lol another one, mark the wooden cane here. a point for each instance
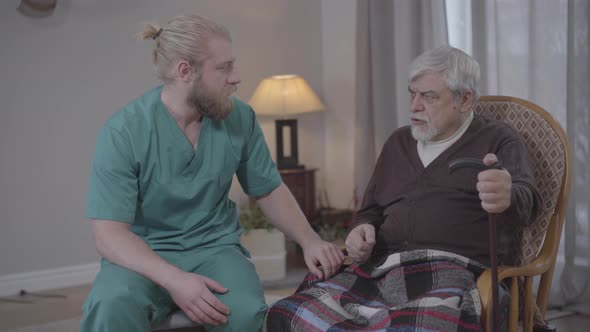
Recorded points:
(492, 245)
(492, 237)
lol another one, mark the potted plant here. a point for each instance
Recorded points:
(265, 243)
(332, 224)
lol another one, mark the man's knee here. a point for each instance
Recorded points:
(246, 318)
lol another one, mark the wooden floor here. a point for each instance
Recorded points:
(33, 310)
(565, 322)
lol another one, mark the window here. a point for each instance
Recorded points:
(459, 25)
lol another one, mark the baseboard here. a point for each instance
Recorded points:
(42, 280)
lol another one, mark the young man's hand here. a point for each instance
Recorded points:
(192, 293)
(318, 253)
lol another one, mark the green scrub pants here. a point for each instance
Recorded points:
(122, 300)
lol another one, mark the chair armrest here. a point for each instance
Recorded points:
(484, 283)
(543, 262)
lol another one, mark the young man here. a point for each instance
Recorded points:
(158, 197)
(420, 238)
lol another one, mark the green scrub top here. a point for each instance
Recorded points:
(145, 172)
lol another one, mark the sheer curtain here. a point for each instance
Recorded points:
(575, 290)
(538, 50)
(389, 35)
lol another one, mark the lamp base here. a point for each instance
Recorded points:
(287, 161)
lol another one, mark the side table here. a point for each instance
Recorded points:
(301, 182)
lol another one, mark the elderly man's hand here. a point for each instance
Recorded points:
(360, 242)
(494, 186)
(318, 252)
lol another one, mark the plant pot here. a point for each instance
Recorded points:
(267, 249)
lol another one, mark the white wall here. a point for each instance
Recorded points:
(62, 76)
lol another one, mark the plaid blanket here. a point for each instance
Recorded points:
(419, 290)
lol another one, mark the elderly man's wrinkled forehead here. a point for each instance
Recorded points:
(437, 75)
(414, 75)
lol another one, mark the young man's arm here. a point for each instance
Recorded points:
(281, 208)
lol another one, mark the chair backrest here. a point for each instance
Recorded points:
(551, 161)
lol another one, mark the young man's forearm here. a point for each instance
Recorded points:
(116, 243)
(282, 210)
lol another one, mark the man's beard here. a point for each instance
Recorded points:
(421, 135)
(214, 106)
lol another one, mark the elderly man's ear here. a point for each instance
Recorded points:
(466, 101)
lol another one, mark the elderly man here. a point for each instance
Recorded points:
(420, 239)
(158, 195)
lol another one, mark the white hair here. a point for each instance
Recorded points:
(461, 71)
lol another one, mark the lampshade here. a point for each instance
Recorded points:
(285, 95)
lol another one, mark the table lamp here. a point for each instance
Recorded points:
(285, 96)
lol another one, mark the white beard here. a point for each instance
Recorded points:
(424, 136)
(419, 133)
